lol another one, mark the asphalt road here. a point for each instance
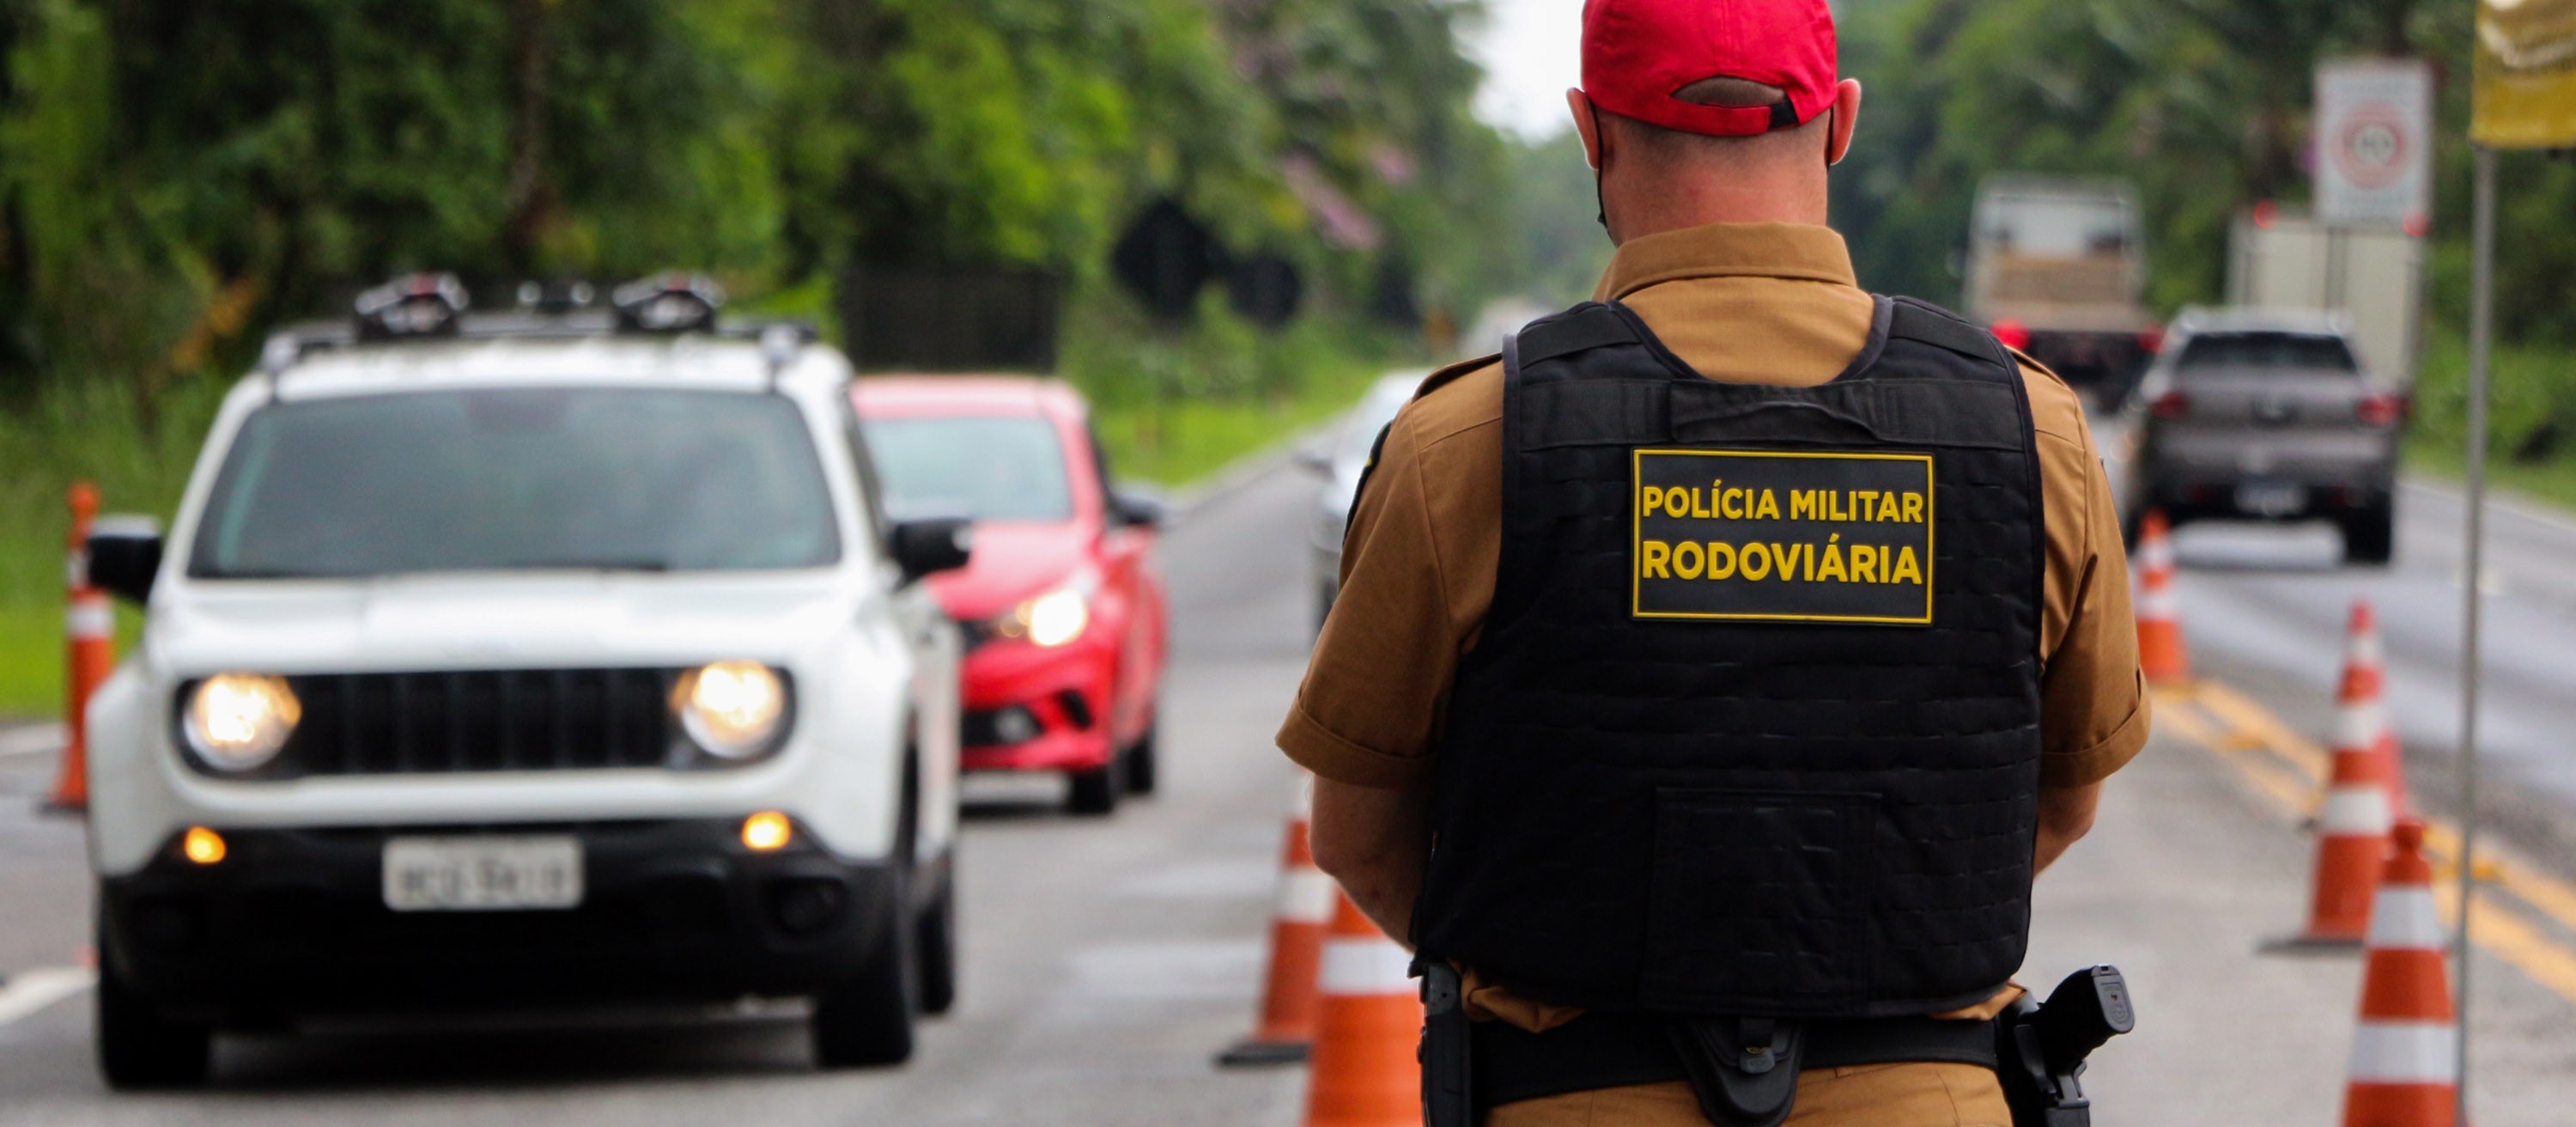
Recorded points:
(1106, 962)
(2265, 606)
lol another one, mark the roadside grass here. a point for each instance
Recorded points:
(1175, 405)
(2532, 445)
(79, 431)
(1181, 442)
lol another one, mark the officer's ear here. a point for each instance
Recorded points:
(1845, 114)
(1587, 122)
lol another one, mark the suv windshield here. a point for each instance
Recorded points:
(2309, 352)
(983, 467)
(480, 480)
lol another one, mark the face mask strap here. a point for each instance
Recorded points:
(1601, 144)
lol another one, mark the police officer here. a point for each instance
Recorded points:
(1713, 671)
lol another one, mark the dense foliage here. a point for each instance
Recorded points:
(175, 177)
(2204, 104)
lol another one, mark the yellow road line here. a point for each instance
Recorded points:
(2229, 724)
(2257, 723)
(2506, 934)
(2183, 715)
(2550, 895)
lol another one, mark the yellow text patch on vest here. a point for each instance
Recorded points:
(1782, 536)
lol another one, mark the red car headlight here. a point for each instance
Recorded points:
(1052, 619)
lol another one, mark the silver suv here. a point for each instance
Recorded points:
(2268, 415)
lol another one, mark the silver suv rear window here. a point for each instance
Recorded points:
(2240, 352)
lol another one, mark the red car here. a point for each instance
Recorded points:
(1062, 607)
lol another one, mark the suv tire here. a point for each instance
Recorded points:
(867, 1019)
(2370, 536)
(139, 1047)
(937, 946)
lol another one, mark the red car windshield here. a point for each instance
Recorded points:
(983, 467)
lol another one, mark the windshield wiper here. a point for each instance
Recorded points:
(265, 573)
(640, 563)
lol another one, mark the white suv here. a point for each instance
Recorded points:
(530, 659)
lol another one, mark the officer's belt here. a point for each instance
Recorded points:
(1615, 1050)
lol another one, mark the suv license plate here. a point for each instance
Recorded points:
(433, 874)
(2271, 499)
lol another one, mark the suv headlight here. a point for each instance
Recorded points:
(733, 710)
(1054, 618)
(240, 721)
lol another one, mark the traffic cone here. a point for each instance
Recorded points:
(90, 623)
(2352, 843)
(1305, 909)
(2160, 649)
(2405, 1055)
(2361, 710)
(1365, 1072)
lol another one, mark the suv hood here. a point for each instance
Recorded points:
(492, 621)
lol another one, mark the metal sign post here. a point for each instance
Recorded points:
(2524, 95)
(2481, 329)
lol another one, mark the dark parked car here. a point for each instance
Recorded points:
(2268, 415)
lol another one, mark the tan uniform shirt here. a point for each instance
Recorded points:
(1752, 303)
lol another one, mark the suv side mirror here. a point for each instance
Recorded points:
(1135, 510)
(124, 555)
(927, 547)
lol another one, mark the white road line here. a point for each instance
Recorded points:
(2536, 512)
(30, 991)
(35, 739)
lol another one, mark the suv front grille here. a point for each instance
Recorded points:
(480, 720)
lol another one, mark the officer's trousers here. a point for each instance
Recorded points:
(1876, 1095)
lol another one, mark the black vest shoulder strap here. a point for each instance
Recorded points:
(1926, 323)
(1580, 329)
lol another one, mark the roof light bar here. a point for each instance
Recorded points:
(411, 305)
(555, 296)
(781, 344)
(280, 353)
(670, 302)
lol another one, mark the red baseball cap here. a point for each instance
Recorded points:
(1637, 53)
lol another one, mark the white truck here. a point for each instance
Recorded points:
(2055, 267)
(2372, 275)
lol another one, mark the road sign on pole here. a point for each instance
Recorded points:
(2525, 66)
(2374, 140)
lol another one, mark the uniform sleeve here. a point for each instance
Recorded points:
(1382, 669)
(2093, 701)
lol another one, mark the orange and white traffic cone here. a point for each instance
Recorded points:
(90, 624)
(2352, 842)
(1365, 1071)
(2361, 709)
(2159, 611)
(2405, 1055)
(1289, 1001)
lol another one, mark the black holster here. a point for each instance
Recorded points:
(2041, 1046)
(1448, 1093)
(1744, 1070)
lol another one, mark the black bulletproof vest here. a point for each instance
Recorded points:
(1752, 728)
